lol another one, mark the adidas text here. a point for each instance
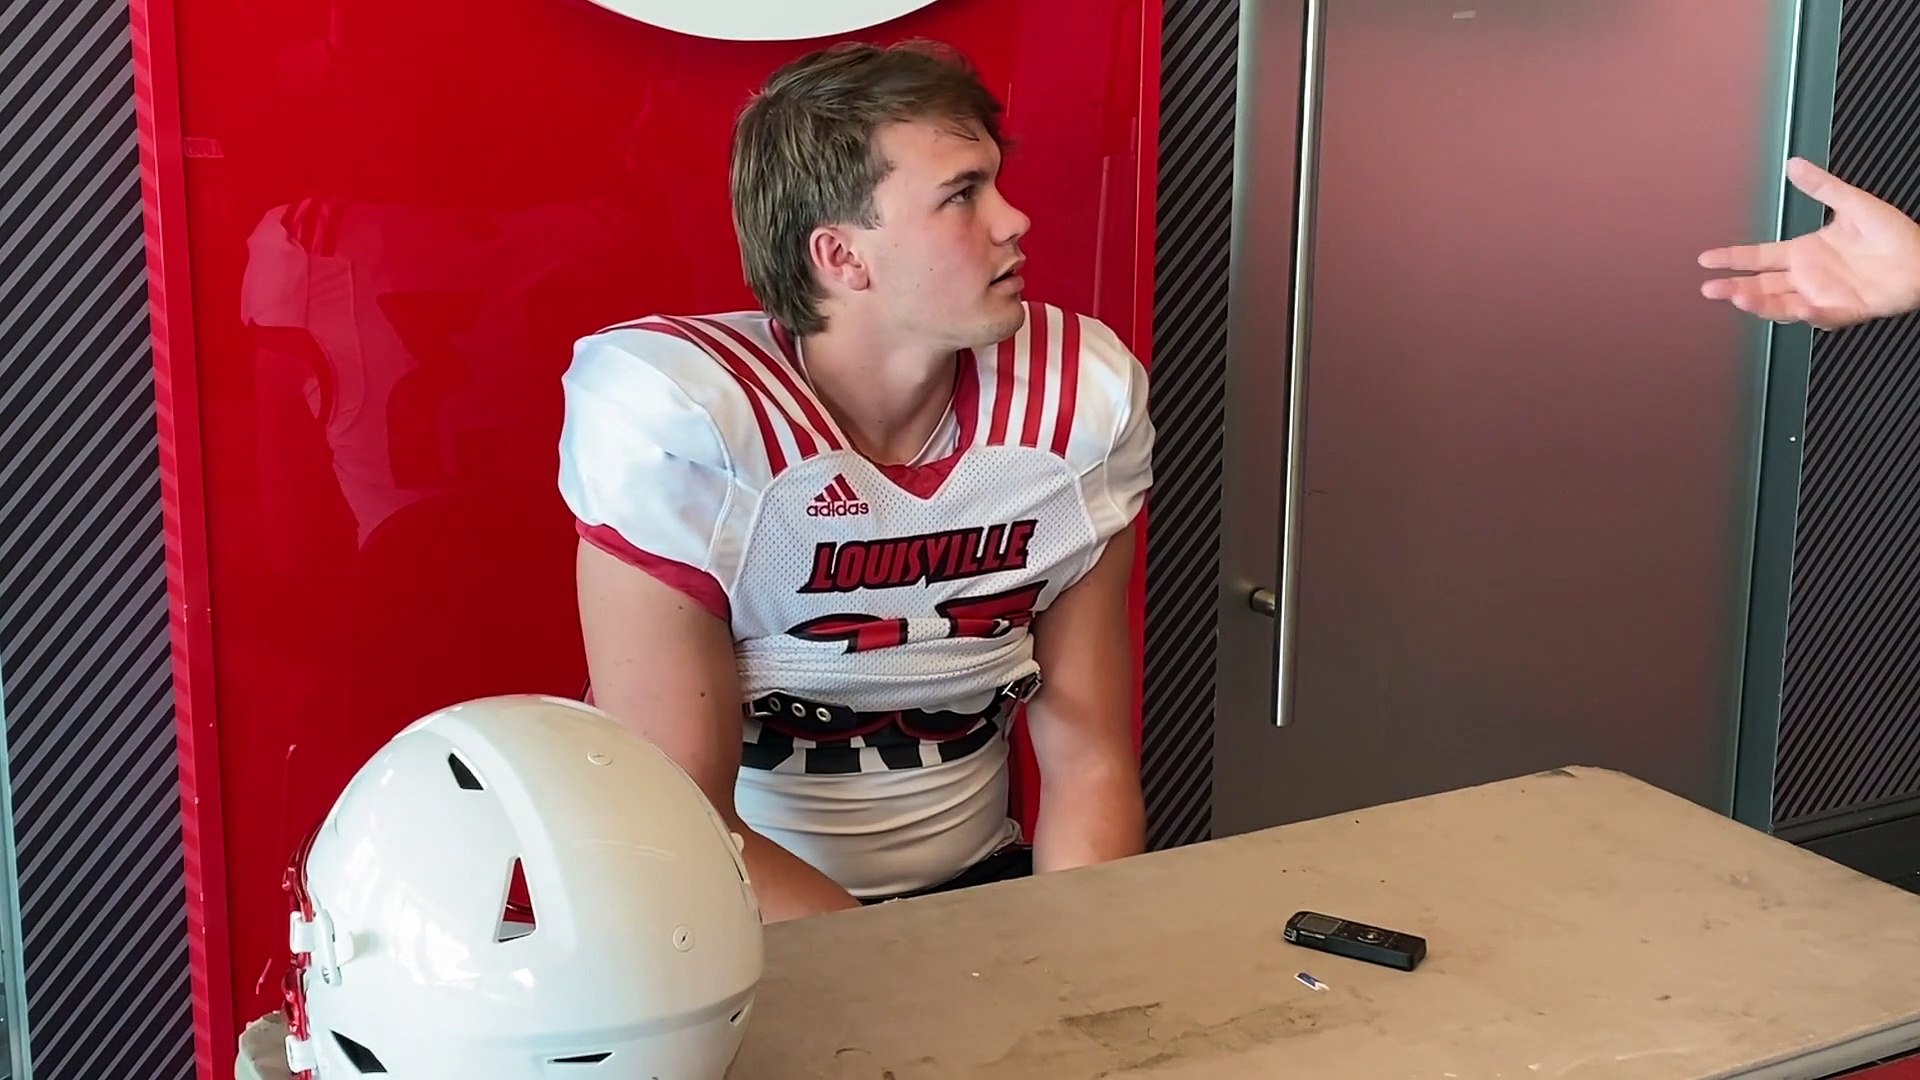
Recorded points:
(839, 509)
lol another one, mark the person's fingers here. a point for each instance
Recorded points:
(1777, 307)
(1761, 284)
(1822, 186)
(1741, 291)
(1772, 256)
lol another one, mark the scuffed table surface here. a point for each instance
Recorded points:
(1579, 924)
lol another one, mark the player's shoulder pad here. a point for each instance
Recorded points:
(667, 375)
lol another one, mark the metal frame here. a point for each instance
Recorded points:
(19, 1041)
(156, 83)
(1806, 129)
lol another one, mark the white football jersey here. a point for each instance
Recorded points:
(695, 449)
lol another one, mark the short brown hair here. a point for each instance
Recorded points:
(803, 154)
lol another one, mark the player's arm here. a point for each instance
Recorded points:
(647, 471)
(1091, 809)
(664, 665)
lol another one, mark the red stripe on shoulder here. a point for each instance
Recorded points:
(788, 375)
(776, 458)
(697, 585)
(966, 397)
(749, 375)
(1036, 373)
(757, 395)
(1069, 381)
(783, 337)
(1002, 393)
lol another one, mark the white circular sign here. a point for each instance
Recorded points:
(763, 20)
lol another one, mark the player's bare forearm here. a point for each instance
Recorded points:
(787, 886)
(1090, 817)
(664, 666)
(1081, 721)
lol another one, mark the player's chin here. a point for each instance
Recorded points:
(1004, 318)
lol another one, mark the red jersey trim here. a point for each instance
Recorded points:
(966, 399)
(1036, 374)
(1003, 381)
(776, 457)
(788, 374)
(921, 481)
(744, 370)
(1069, 381)
(695, 584)
(1022, 368)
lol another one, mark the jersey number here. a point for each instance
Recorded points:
(991, 616)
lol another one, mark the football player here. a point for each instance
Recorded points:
(830, 546)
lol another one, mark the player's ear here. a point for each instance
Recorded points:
(836, 260)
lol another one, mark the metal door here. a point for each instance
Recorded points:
(1519, 527)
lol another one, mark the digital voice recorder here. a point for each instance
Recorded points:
(1343, 937)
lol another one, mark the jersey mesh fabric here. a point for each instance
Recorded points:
(1010, 503)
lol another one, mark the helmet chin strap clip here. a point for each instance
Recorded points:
(317, 939)
(301, 1059)
(325, 950)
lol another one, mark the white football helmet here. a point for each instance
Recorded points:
(414, 959)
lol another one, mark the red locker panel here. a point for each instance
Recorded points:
(375, 229)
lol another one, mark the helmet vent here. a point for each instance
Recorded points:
(358, 1056)
(517, 919)
(463, 775)
(583, 1059)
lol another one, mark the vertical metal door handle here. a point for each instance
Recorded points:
(1282, 604)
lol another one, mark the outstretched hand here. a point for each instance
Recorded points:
(1863, 264)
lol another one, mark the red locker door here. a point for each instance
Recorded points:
(375, 228)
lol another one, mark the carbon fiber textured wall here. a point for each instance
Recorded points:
(83, 593)
(1199, 70)
(1850, 710)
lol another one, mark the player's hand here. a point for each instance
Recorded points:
(1864, 264)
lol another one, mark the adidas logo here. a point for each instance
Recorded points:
(838, 500)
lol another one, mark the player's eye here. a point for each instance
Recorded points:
(964, 195)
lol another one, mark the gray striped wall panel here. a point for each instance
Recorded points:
(1850, 707)
(1198, 72)
(83, 597)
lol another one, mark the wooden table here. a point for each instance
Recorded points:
(1579, 924)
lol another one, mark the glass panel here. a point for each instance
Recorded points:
(1531, 448)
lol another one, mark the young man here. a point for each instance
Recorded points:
(830, 546)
